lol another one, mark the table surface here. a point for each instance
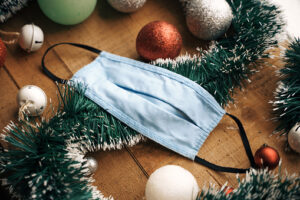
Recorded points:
(123, 173)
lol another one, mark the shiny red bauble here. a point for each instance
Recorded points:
(266, 156)
(158, 39)
(2, 53)
(228, 190)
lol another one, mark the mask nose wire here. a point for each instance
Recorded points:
(246, 147)
(53, 76)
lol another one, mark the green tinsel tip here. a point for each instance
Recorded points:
(287, 95)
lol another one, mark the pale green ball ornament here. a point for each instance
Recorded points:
(67, 12)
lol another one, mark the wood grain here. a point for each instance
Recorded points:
(120, 173)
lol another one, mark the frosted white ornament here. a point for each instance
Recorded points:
(92, 164)
(33, 99)
(171, 182)
(127, 6)
(208, 19)
(31, 38)
(294, 137)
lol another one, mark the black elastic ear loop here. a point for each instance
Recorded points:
(50, 74)
(247, 149)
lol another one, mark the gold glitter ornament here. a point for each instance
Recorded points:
(208, 19)
(126, 6)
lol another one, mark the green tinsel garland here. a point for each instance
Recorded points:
(287, 96)
(258, 185)
(10, 7)
(48, 162)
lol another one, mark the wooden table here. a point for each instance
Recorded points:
(120, 172)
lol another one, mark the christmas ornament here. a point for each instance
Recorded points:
(208, 19)
(127, 6)
(2, 53)
(158, 39)
(31, 38)
(67, 12)
(171, 182)
(294, 138)
(32, 100)
(266, 156)
(228, 190)
(91, 164)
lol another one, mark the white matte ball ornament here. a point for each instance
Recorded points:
(208, 19)
(171, 182)
(92, 164)
(34, 97)
(127, 6)
(31, 38)
(294, 138)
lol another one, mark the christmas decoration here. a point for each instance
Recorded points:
(171, 182)
(158, 39)
(208, 19)
(228, 190)
(32, 100)
(294, 138)
(2, 53)
(286, 104)
(10, 7)
(67, 12)
(60, 143)
(257, 185)
(31, 38)
(92, 164)
(127, 6)
(266, 156)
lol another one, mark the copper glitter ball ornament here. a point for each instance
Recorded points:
(2, 53)
(158, 39)
(266, 156)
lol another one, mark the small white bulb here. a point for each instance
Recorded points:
(294, 137)
(34, 97)
(31, 38)
(92, 164)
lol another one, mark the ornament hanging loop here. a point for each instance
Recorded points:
(9, 38)
(22, 113)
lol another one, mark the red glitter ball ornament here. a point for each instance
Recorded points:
(158, 39)
(2, 53)
(266, 156)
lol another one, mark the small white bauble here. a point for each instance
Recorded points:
(92, 164)
(171, 182)
(31, 38)
(127, 6)
(294, 138)
(208, 19)
(34, 97)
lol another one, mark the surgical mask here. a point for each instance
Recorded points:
(161, 105)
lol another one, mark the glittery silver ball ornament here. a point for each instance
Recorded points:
(208, 19)
(127, 6)
(294, 138)
(91, 164)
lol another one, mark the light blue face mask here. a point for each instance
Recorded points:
(161, 105)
